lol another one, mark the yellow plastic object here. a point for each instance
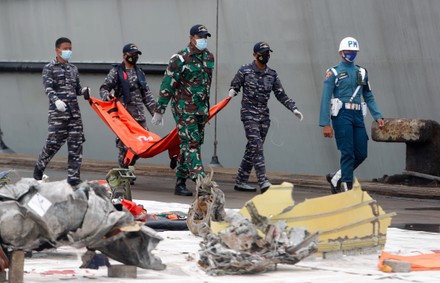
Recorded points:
(345, 221)
(274, 201)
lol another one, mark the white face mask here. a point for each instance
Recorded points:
(66, 54)
(201, 43)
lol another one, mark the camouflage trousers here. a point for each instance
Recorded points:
(190, 129)
(256, 132)
(123, 149)
(61, 130)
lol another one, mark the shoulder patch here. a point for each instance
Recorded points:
(179, 56)
(328, 74)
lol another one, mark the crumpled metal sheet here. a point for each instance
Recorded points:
(209, 205)
(243, 248)
(36, 216)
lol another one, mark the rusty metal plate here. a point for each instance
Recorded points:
(402, 130)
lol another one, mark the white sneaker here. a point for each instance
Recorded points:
(44, 179)
(243, 187)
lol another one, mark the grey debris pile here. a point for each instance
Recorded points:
(239, 249)
(38, 216)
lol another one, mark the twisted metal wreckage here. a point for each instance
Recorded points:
(272, 229)
(37, 216)
(244, 245)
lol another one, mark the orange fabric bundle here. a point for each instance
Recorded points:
(420, 262)
(139, 141)
(138, 211)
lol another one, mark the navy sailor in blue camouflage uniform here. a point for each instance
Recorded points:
(347, 83)
(131, 89)
(257, 81)
(62, 86)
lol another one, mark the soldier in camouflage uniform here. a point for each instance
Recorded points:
(187, 84)
(62, 86)
(257, 81)
(131, 89)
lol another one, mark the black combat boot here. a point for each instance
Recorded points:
(346, 186)
(333, 189)
(181, 189)
(74, 183)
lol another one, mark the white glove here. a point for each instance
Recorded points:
(85, 91)
(61, 106)
(109, 97)
(298, 114)
(157, 119)
(232, 92)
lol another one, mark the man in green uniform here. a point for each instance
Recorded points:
(187, 83)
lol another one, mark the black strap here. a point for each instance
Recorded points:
(123, 80)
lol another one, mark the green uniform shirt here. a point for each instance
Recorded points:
(187, 82)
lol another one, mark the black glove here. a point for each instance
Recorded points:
(173, 162)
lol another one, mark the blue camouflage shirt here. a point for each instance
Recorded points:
(61, 81)
(257, 85)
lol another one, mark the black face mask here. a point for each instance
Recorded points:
(132, 59)
(263, 58)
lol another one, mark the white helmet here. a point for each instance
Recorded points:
(349, 43)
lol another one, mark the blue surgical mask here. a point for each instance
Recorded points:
(66, 54)
(349, 56)
(201, 43)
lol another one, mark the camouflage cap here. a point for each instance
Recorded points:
(131, 48)
(200, 30)
(261, 47)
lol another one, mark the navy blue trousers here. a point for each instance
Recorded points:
(351, 140)
(256, 132)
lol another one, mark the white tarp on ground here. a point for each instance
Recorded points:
(179, 251)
